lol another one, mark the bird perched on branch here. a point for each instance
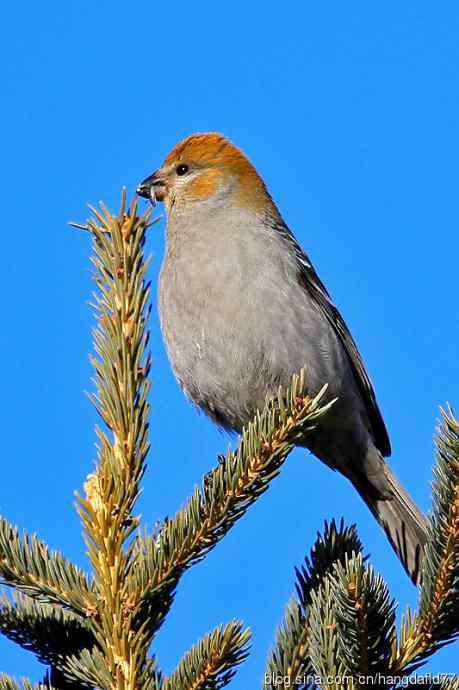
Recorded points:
(242, 309)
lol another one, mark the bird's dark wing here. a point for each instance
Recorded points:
(319, 294)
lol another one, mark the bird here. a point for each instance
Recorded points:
(242, 309)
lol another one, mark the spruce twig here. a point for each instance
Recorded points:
(121, 368)
(323, 642)
(289, 663)
(209, 665)
(437, 622)
(439, 603)
(8, 683)
(365, 621)
(28, 565)
(49, 631)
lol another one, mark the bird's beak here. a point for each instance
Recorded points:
(152, 188)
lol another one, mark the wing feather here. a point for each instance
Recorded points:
(319, 294)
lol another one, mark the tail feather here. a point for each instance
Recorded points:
(400, 518)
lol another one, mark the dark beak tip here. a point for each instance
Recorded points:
(146, 186)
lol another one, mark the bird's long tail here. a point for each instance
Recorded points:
(398, 515)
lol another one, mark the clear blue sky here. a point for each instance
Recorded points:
(350, 111)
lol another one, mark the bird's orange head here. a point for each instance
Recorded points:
(206, 169)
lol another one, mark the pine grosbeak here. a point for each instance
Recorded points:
(242, 309)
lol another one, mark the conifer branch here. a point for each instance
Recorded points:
(90, 668)
(49, 631)
(365, 620)
(58, 679)
(209, 665)
(121, 369)
(439, 603)
(226, 494)
(437, 622)
(27, 564)
(289, 660)
(323, 643)
(337, 544)
(8, 683)
(152, 677)
(289, 664)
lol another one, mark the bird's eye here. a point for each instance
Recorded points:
(182, 169)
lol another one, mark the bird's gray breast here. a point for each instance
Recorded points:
(236, 321)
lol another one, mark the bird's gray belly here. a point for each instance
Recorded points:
(233, 338)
